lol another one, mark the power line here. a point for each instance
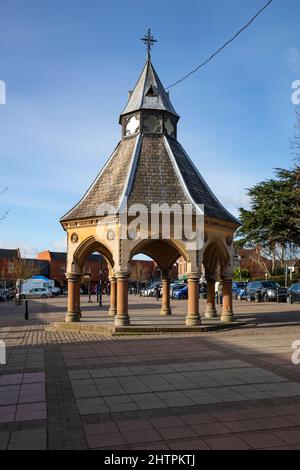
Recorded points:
(222, 47)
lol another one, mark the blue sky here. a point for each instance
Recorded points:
(69, 64)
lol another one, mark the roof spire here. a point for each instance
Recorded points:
(149, 41)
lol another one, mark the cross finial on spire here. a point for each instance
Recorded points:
(149, 41)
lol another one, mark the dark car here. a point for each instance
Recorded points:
(181, 292)
(293, 294)
(267, 290)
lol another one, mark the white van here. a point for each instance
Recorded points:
(36, 283)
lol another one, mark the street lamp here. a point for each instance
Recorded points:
(89, 287)
(100, 284)
(140, 282)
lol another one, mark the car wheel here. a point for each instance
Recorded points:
(44, 296)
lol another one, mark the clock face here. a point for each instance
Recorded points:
(169, 126)
(132, 125)
(152, 124)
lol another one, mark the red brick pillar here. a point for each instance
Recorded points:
(122, 317)
(227, 313)
(73, 313)
(193, 317)
(211, 300)
(113, 297)
(165, 307)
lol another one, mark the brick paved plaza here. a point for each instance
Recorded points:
(233, 389)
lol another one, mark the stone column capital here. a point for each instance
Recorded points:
(194, 277)
(122, 275)
(73, 277)
(227, 273)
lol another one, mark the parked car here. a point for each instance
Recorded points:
(293, 295)
(36, 293)
(6, 294)
(55, 291)
(175, 288)
(203, 290)
(181, 292)
(239, 289)
(268, 291)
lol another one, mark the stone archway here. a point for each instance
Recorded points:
(87, 247)
(165, 253)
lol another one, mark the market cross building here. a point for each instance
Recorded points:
(149, 166)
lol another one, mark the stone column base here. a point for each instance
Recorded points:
(211, 312)
(122, 320)
(72, 317)
(165, 312)
(227, 317)
(112, 312)
(193, 321)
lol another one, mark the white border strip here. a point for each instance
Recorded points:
(131, 171)
(178, 172)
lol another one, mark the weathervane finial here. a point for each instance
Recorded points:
(149, 40)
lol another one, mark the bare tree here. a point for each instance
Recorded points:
(3, 216)
(21, 269)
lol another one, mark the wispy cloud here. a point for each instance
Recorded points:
(60, 245)
(294, 58)
(27, 250)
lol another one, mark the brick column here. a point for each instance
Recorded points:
(227, 313)
(122, 317)
(211, 311)
(165, 307)
(73, 313)
(113, 297)
(193, 317)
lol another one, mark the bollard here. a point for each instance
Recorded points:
(257, 297)
(26, 309)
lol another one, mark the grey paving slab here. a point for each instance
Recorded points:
(91, 406)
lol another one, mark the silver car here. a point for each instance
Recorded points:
(37, 293)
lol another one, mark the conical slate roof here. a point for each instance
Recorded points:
(149, 93)
(148, 168)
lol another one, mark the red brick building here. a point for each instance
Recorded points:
(57, 268)
(146, 270)
(142, 271)
(6, 256)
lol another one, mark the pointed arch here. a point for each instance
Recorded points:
(163, 252)
(215, 254)
(89, 246)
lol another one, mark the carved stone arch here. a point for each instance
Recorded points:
(215, 254)
(89, 246)
(163, 252)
